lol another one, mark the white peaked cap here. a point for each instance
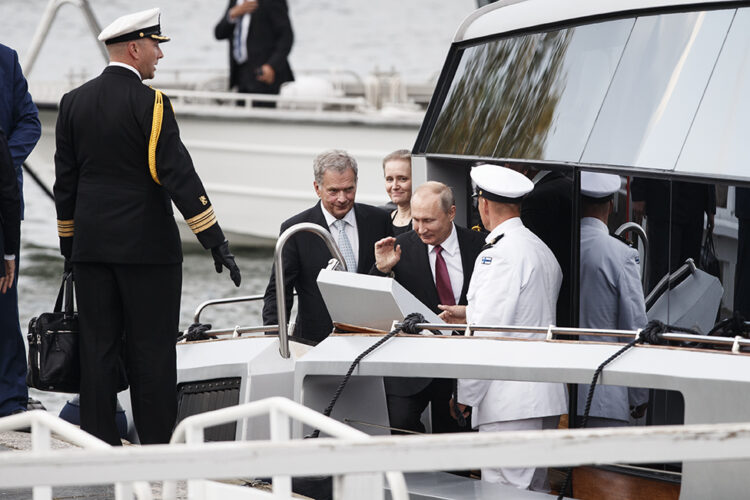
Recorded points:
(599, 185)
(501, 184)
(143, 24)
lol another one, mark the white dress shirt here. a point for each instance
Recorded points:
(351, 229)
(452, 258)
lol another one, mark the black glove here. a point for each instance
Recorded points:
(223, 257)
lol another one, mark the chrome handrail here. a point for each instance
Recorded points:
(637, 229)
(228, 300)
(48, 17)
(278, 266)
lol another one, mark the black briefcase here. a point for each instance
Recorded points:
(54, 362)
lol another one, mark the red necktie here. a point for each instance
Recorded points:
(442, 280)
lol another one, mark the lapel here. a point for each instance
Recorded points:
(318, 218)
(467, 261)
(363, 236)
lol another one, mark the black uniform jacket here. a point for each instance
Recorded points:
(305, 255)
(109, 207)
(269, 39)
(413, 272)
(547, 212)
(10, 203)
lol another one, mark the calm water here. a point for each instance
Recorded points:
(411, 37)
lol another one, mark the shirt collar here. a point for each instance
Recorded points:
(595, 224)
(330, 219)
(508, 225)
(450, 245)
(128, 66)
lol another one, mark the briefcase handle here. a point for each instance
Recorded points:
(65, 295)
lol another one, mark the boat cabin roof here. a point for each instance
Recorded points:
(638, 87)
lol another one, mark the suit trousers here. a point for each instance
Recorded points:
(13, 392)
(129, 315)
(404, 412)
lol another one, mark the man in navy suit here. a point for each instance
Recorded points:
(434, 262)
(354, 226)
(19, 120)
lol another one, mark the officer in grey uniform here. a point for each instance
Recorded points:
(611, 295)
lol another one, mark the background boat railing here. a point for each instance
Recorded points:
(42, 425)
(358, 459)
(280, 411)
(238, 99)
(734, 342)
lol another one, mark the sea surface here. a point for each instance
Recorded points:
(411, 37)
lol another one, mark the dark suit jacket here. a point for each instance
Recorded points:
(689, 200)
(269, 41)
(305, 255)
(547, 212)
(10, 203)
(109, 208)
(413, 273)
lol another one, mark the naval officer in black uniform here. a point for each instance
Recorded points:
(119, 165)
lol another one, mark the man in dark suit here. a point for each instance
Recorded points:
(355, 227)
(260, 39)
(434, 262)
(674, 221)
(547, 211)
(19, 120)
(10, 219)
(119, 165)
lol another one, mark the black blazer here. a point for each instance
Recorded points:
(413, 273)
(305, 255)
(269, 41)
(10, 203)
(109, 208)
(547, 212)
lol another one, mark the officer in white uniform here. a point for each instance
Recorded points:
(611, 295)
(516, 281)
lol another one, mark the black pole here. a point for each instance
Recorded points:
(39, 181)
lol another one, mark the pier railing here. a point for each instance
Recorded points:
(355, 456)
(42, 425)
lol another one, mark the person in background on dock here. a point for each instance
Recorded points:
(354, 226)
(260, 39)
(397, 171)
(19, 120)
(434, 262)
(119, 165)
(515, 282)
(611, 296)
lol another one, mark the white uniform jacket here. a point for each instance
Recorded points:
(611, 298)
(515, 282)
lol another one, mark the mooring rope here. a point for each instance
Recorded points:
(409, 325)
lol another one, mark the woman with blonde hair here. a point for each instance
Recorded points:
(397, 171)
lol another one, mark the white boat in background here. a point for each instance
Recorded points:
(256, 163)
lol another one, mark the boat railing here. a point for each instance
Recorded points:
(360, 459)
(633, 227)
(239, 100)
(48, 17)
(42, 425)
(337, 262)
(279, 411)
(736, 343)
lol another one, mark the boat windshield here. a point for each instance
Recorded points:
(664, 92)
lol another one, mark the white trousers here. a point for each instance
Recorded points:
(521, 477)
